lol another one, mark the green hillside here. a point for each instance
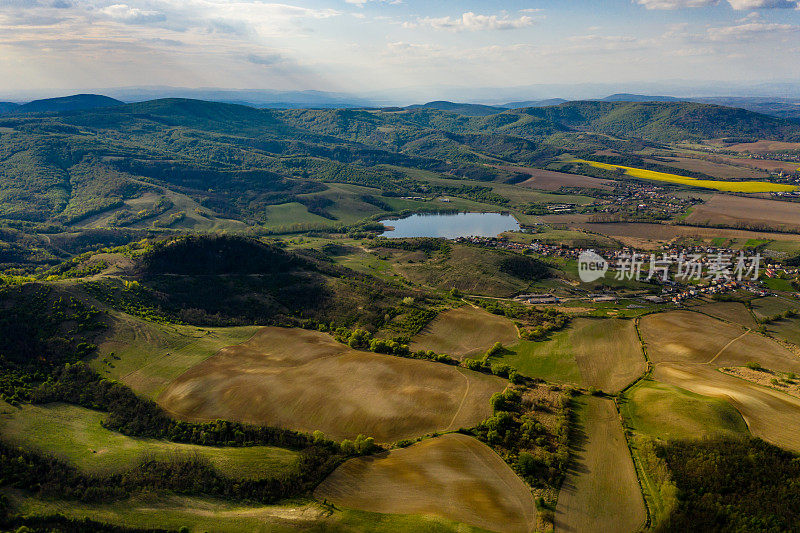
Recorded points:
(189, 165)
(67, 103)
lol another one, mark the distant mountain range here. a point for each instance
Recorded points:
(535, 103)
(786, 108)
(474, 110)
(262, 98)
(204, 165)
(782, 108)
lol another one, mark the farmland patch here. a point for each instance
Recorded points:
(307, 381)
(601, 492)
(465, 331)
(454, 476)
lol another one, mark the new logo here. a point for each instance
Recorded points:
(591, 266)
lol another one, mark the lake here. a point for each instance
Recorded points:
(450, 225)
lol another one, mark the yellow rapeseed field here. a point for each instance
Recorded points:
(719, 185)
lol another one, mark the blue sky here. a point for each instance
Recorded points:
(372, 45)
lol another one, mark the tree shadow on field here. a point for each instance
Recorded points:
(578, 443)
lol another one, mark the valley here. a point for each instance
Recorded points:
(209, 324)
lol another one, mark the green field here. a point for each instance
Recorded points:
(787, 329)
(293, 215)
(669, 412)
(552, 360)
(75, 435)
(204, 514)
(778, 284)
(773, 305)
(146, 355)
(600, 353)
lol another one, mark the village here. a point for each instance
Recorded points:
(674, 289)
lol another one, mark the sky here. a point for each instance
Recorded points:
(374, 45)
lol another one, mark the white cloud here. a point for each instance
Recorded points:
(127, 13)
(750, 30)
(469, 21)
(362, 3)
(735, 4)
(675, 4)
(764, 4)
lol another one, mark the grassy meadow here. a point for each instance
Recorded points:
(600, 353)
(76, 435)
(204, 514)
(669, 412)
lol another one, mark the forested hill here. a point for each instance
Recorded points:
(197, 165)
(66, 103)
(663, 121)
(7, 107)
(477, 110)
(652, 121)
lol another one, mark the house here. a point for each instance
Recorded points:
(604, 299)
(538, 298)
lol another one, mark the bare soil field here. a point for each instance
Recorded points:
(724, 209)
(550, 180)
(570, 219)
(601, 492)
(764, 146)
(607, 352)
(146, 355)
(650, 236)
(762, 164)
(719, 170)
(731, 311)
(687, 337)
(465, 331)
(307, 381)
(687, 352)
(453, 476)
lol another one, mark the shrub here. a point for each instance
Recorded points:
(526, 464)
(497, 349)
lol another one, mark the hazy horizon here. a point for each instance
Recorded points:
(418, 95)
(403, 49)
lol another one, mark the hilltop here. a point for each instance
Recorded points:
(658, 121)
(627, 97)
(67, 103)
(476, 110)
(7, 107)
